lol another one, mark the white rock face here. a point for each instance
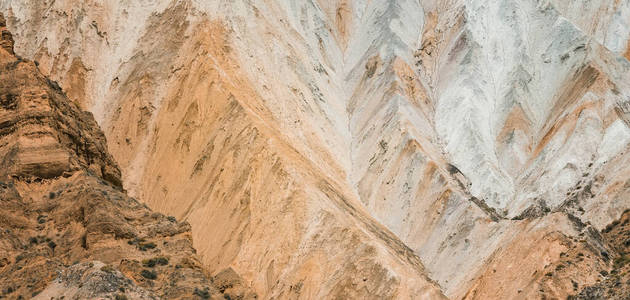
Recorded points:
(413, 141)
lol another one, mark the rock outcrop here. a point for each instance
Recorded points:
(615, 281)
(67, 229)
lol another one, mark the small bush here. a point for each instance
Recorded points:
(151, 275)
(150, 263)
(203, 294)
(52, 245)
(121, 297)
(622, 260)
(162, 261)
(146, 246)
(19, 258)
(559, 267)
(171, 219)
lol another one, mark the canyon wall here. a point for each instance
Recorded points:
(386, 149)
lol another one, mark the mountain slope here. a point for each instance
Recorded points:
(285, 242)
(406, 141)
(68, 229)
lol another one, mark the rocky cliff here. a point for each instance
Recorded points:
(364, 148)
(67, 228)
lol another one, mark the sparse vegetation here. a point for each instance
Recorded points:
(141, 244)
(559, 267)
(19, 258)
(107, 269)
(203, 294)
(121, 297)
(148, 274)
(146, 246)
(162, 261)
(135, 241)
(622, 260)
(610, 226)
(575, 285)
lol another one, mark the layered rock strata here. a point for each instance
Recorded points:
(67, 229)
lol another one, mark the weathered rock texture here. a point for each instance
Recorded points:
(363, 148)
(616, 282)
(67, 229)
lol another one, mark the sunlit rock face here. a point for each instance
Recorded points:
(68, 228)
(386, 149)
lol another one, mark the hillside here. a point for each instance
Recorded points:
(359, 149)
